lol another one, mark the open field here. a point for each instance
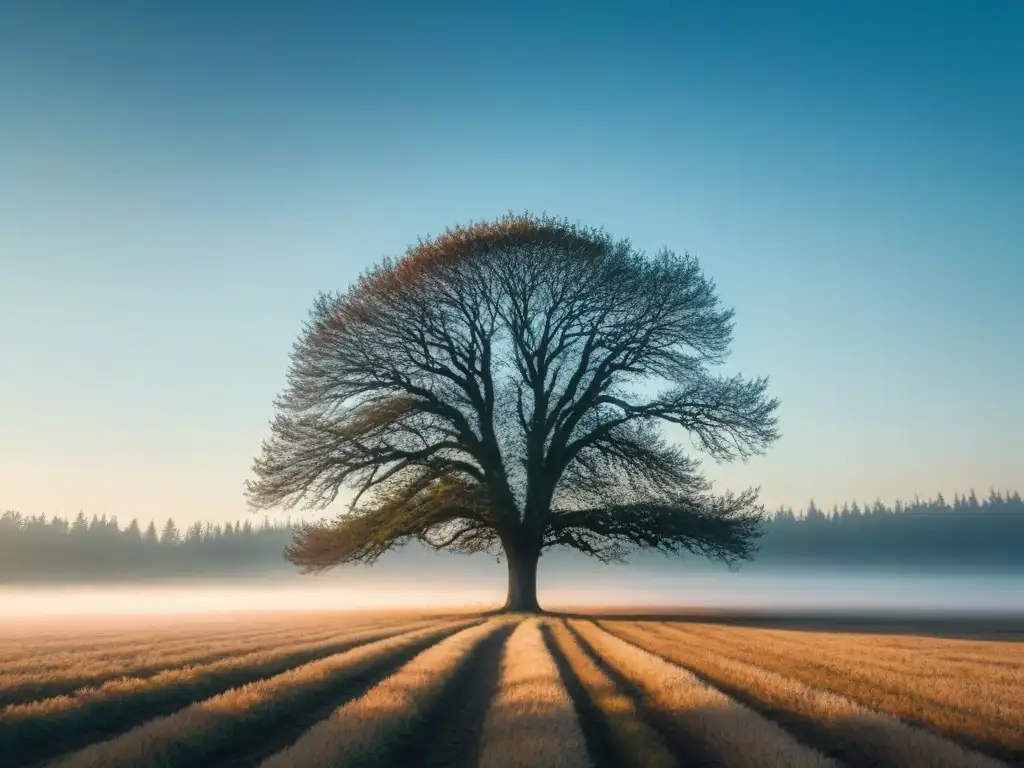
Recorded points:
(460, 689)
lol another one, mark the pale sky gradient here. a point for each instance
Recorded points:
(177, 183)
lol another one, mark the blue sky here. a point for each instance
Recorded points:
(177, 183)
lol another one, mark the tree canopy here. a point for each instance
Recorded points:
(504, 387)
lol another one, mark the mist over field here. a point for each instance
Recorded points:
(959, 557)
(479, 583)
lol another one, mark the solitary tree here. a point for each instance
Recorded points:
(503, 387)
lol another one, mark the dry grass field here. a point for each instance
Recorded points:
(462, 689)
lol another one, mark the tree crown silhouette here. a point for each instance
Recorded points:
(504, 386)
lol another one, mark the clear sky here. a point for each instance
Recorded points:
(177, 182)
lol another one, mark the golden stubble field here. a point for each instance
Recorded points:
(405, 689)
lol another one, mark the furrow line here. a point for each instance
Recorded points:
(832, 723)
(733, 733)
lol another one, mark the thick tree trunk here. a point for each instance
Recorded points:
(522, 579)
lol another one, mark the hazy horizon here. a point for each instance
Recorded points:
(765, 589)
(180, 181)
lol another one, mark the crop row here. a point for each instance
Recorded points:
(982, 708)
(567, 694)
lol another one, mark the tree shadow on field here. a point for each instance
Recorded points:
(449, 735)
(600, 744)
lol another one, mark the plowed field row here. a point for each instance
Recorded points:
(510, 691)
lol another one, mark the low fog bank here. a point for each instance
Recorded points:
(442, 581)
(415, 562)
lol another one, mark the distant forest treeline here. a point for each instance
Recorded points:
(968, 532)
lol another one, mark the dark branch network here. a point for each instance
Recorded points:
(505, 386)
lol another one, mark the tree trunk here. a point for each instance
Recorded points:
(522, 579)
